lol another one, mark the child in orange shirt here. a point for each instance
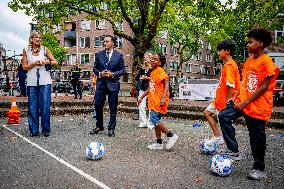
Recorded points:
(254, 102)
(229, 83)
(158, 100)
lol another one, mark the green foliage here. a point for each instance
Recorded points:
(50, 41)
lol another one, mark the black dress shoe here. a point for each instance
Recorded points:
(96, 131)
(46, 134)
(34, 135)
(111, 133)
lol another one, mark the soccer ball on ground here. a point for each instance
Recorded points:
(207, 148)
(95, 150)
(221, 165)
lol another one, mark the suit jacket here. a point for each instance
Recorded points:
(115, 65)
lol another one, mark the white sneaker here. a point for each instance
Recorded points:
(155, 146)
(150, 125)
(142, 126)
(232, 155)
(215, 140)
(171, 141)
(257, 175)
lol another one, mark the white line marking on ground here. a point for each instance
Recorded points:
(87, 176)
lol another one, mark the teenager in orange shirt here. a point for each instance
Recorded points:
(254, 102)
(229, 83)
(158, 100)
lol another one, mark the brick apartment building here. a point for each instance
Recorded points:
(83, 38)
(276, 51)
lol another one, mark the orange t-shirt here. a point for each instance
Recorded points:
(156, 90)
(230, 73)
(254, 72)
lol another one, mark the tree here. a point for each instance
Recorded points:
(238, 18)
(142, 17)
(59, 53)
(190, 25)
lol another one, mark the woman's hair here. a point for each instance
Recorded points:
(261, 34)
(162, 59)
(32, 34)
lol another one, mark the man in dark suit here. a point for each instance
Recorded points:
(108, 67)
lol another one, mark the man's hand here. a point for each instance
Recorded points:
(143, 77)
(106, 73)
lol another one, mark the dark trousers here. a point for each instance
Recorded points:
(256, 130)
(76, 84)
(100, 98)
(23, 88)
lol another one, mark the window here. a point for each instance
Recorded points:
(55, 28)
(163, 34)
(71, 59)
(208, 46)
(203, 69)
(86, 74)
(118, 42)
(126, 77)
(279, 34)
(85, 25)
(99, 41)
(163, 48)
(85, 59)
(173, 51)
(85, 42)
(195, 68)
(119, 25)
(69, 42)
(100, 24)
(208, 57)
(201, 43)
(188, 68)
(104, 6)
(199, 56)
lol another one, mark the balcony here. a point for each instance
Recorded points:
(70, 34)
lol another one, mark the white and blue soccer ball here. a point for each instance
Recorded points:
(207, 148)
(95, 150)
(221, 165)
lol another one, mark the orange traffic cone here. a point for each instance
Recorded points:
(13, 114)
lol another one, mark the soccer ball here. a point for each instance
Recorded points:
(207, 148)
(95, 150)
(221, 165)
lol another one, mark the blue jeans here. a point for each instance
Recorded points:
(39, 99)
(155, 117)
(256, 130)
(23, 88)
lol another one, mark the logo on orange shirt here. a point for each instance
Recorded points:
(250, 82)
(152, 85)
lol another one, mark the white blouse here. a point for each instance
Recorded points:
(44, 76)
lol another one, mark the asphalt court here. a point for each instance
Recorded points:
(127, 163)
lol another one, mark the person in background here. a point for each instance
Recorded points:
(143, 77)
(22, 75)
(35, 58)
(75, 80)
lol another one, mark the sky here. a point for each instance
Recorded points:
(14, 29)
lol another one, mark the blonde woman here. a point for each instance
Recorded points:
(143, 79)
(36, 60)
